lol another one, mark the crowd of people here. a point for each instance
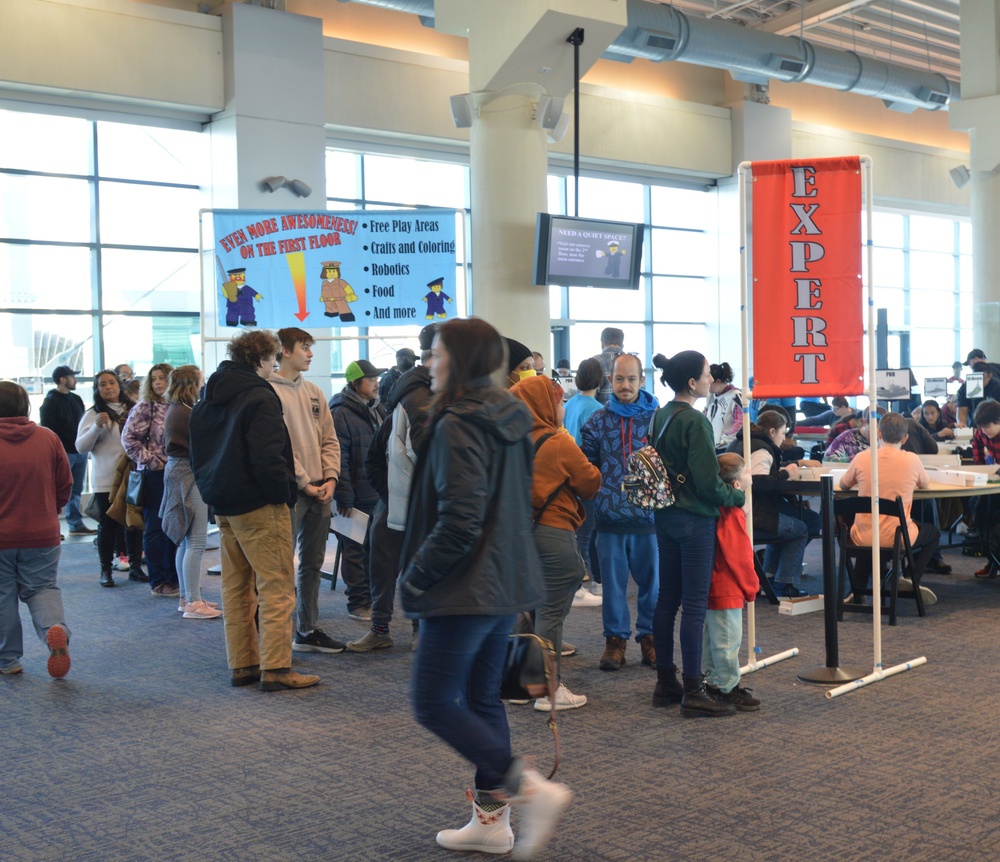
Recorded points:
(468, 482)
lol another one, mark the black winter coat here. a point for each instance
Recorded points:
(240, 450)
(356, 426)
(765, 497)
(469, 545)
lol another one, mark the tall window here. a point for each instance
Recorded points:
(98, 245)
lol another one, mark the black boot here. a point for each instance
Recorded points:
(106, 579)
(697, 702)
(135, 573)
(668, 688)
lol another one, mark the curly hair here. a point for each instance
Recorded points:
(147, 382)
(253, 346)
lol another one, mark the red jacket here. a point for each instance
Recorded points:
(734, 578)
(35, 483)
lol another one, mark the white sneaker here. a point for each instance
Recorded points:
(565, 699)
(597, 589)
(542, 803)
(585, 599)
(121, 565)
(200, 611)
(926, 593)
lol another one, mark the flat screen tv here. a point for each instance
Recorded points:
(583, 252)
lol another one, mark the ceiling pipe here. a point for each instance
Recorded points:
(661, 33)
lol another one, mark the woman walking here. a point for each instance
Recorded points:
(142, 438)
(685, 532)
(100, 435)
(184, 513)
(469, 565)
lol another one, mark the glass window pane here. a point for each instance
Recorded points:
(887, 230)
(892, 300)
(682, 252)
(149, 153)
(145, 341)
(684, 300)
(965, 237)
(45, 276)
(888, 265)
(932, 271)
(34, 344)
(931, 309)
(150, 280)
(932, 233)
(149, 215)
(28, 205)
(606, 303)
(343, 175)
(415, 181)
(585, 340)
(671, 338)
(611, 200)
(683, 207)
(38, 142)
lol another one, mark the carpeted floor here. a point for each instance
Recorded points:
(144, 752)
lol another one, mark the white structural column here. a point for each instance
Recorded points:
(517, 53)
(979, 113)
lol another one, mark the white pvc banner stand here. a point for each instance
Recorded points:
(753, 663)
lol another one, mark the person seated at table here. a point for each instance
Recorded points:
(986, 450)
(931, 419)
(919, 440)
(781, 524)
(846, 445)
(840, 411)
(899, 473)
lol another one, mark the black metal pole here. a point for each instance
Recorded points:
(576, 40)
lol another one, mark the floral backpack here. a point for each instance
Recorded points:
(646, 483)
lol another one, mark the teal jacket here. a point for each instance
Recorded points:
(688, 447)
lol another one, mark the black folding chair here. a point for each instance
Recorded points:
(898, 558)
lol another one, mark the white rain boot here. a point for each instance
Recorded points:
(486, 832)
(542, 803)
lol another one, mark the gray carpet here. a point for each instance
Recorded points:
(144, 752)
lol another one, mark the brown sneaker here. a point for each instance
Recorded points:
(614, 653)
(276, 680)
(648, 650)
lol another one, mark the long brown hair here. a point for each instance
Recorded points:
(147, 383)
(184, 385)
(475, 350)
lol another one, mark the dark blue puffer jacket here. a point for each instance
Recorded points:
(609, 436)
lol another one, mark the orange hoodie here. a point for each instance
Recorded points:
(558, 460)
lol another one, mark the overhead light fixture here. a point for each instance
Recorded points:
(300, 188)
(556, 134)
(932, 97)
(549, 111)
(960, 176)
(463, 111)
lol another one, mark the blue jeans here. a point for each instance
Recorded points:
(78, 467)
(191, 550)
(786, 548)
(160, 551)
(721, 648)
(619, 554)
(28, 575)
(687, 555)
(456, 690)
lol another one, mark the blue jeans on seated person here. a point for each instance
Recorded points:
(456, 689)
(786, 548)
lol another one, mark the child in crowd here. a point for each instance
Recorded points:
(930, 418)
(986, 450)
(734, 581)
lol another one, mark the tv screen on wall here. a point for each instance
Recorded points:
(581, 252)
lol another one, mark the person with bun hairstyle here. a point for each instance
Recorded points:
(725, 406)
(685, 532)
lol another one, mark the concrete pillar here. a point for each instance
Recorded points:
(978, 112)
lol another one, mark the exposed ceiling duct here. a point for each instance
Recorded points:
(660, 33)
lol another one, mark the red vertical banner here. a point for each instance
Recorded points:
(808, 312)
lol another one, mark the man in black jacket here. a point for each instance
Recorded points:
(242, 460)
(61, 412)
(357, 415)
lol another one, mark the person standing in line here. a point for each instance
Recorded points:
(725, 407)
(125, 373)
(142, 439)
(685, 532)
(99, 435)
(469, 565)
(626, 540)
(357, 415)
(243, 465)
(405, 360)
(612, 343)
(316, 451)
(61, 412)
(184, 513)
(34, 460)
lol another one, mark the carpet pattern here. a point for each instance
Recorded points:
(144, 753)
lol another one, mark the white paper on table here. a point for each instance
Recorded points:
(353, 527)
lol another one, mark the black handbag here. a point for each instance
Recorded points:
(135, 494)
